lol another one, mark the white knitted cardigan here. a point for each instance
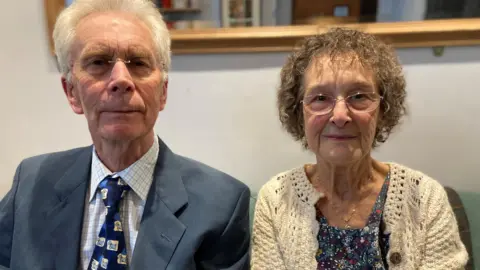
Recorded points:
(424, 232)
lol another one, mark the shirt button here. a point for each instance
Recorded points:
(395, 258)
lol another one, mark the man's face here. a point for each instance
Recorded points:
(117, 79)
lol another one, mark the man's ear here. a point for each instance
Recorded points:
(164, 95)
(72, 96)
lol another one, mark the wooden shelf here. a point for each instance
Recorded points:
(431, 33)
(179, 10)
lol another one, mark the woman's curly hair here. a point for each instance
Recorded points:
(337, 43)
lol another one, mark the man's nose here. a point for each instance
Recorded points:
(120, 78)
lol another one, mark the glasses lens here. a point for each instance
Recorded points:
(363, 101)
(319, 103)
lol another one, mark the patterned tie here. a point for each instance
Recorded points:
(110, 249)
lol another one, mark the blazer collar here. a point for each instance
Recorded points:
(63, 221)
(160, 230)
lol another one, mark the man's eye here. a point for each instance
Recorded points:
(139, 63)
(99, 62)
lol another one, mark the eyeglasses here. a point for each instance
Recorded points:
(128, 61)
(102, 64)
(114, 61)
(321, 104)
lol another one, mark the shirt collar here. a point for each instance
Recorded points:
(139, 175)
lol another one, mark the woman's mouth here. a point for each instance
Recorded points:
(340, 137)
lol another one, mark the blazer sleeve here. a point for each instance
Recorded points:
(232, 250)
(266, 253)
(444, 248)
(7, 215)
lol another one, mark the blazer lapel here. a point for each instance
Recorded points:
(160, 230)
(63, 221)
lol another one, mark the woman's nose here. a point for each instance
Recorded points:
(340, 114)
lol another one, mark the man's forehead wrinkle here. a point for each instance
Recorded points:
(98, 46)
(118, 49)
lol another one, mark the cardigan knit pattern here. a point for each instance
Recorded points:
(417, 214)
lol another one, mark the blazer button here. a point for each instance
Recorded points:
(395, 258)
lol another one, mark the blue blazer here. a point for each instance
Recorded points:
(195, 217)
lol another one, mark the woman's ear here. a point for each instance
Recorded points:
(72, 96)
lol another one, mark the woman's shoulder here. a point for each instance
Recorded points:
(412, 193)
(413, 176)
(289, 185)
(416, 181)
(281, 181)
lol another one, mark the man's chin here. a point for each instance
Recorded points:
(120, 134)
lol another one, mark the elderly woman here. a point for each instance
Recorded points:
(341, 95)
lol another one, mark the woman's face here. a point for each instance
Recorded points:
(346, 133)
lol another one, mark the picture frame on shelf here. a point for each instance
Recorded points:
(241, 13)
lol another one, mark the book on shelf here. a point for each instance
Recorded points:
(177, 4)
(189, 24)
(164, 3)
(193, 3)
(240, 13)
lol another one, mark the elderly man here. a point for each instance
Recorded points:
(127, 202)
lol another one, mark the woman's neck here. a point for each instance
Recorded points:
(345, 182)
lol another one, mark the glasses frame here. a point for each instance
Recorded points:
(127, 61)
(113, 61)
(378, 99)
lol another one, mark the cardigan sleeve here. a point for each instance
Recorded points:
(444, 248)
(266, 252)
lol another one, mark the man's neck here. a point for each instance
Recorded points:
(119, 155)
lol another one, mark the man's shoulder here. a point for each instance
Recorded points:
(53, 158)
(197, 173)
(38, 174)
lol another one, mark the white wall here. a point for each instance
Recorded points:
(221, 109)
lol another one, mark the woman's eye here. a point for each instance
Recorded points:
(359, 96)
(320, 98)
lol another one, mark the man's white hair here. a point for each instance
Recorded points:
(145, 10)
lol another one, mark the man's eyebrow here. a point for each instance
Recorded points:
(95, 50)
(97, 47)
(139, 51)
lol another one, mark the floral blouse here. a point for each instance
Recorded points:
(364, 248)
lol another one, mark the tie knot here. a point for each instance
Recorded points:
(112, 190)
